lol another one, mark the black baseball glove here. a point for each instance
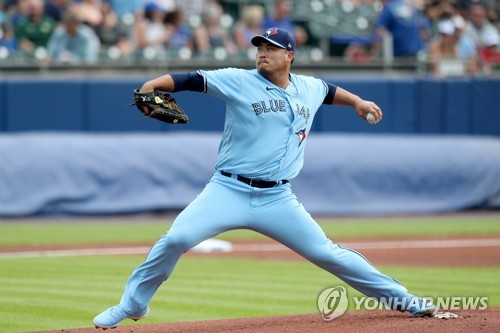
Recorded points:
(160, 106)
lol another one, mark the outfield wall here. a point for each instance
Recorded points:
(344, 174)
(410, 105)
(73, 146)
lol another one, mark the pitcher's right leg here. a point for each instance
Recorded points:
(207, 216)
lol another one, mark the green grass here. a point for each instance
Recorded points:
(102, 231)
(47, 293)
(57, 293)
(96, 231)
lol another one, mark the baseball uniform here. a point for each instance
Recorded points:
(262, 148)
(265, 134)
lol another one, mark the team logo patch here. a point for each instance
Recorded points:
(302, 135)
(271, 32)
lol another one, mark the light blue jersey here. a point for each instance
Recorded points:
(266, 126)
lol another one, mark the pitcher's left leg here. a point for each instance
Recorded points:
(291, 225)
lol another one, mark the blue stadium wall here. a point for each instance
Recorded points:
(75, 147)
(410, 105)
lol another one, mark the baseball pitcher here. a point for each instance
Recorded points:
(269, 114)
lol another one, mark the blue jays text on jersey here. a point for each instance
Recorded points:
(274, 105)
(303, 111)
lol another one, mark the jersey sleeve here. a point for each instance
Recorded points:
(330, 94)
(316, 89)
(223, 83)
(322, 91)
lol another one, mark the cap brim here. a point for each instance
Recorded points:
(256, 40)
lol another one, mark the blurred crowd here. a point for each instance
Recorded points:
(453, 36)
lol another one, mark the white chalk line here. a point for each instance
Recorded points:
(375, 245)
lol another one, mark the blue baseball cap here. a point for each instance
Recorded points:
(150, 6)
(276, 36)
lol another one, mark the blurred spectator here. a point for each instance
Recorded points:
(126, 9)
(444, 53)
(130, 15)
(210, 34)
(164, 5)
(491, 7)
(56, 8)
(442, 10)
(280, 18)
(439, 10)
(2, 12)
(490, 53)
(405, 23)
(478, 25)
(249, 25)
(7, 38)
(16, 10)
(88, 11)
(357, 52)
(73, 42)
(191, 7)
(466, 47)
(179, 33)
(110, 33)
(35, 29)
(153, 32)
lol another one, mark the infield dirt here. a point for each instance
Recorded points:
(351, 322)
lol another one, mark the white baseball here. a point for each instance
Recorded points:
(370, 118)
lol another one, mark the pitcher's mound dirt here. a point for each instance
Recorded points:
(351, 322)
